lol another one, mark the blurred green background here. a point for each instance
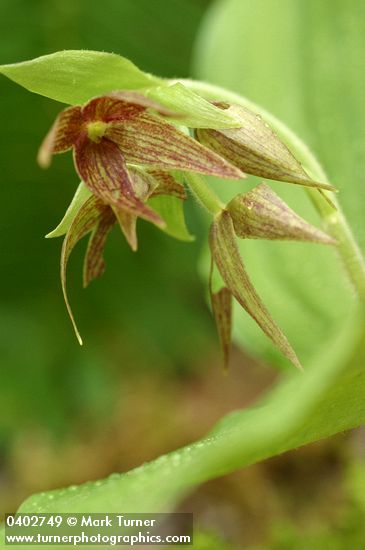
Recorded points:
(148, 313)
(148, 377)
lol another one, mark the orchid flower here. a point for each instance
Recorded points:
(110, 131)
(125, 152)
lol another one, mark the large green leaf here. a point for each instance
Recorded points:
(292, 62)
(305, 407)
(74, 76)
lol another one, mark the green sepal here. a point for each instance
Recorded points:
(195, 111)
(171, 210)
(80, 197)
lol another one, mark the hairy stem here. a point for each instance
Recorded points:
(204, 194)
(332, 216)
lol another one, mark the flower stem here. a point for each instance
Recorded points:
(204, 194)
(332, 215)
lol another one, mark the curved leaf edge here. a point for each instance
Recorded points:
(302, 408)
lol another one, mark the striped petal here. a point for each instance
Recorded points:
(84, 222)
(128, 225)
(167, 185)
(62, 136)
(122, 105)
(148, 141)
(228, 260)
(94, 264)
(222, 310)
(221, 302)
(110, 107)
(102, 167)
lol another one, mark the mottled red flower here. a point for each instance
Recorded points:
(110, 131)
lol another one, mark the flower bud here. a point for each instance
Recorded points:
(262, 214)
(255, 149)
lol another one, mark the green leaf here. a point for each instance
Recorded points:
(171, 210)
(196, 112)
(315, 83)
(74, 76)
(302, 408)
(80, 197)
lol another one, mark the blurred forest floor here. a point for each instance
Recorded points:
(304, 491)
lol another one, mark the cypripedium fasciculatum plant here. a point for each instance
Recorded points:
(136, 138)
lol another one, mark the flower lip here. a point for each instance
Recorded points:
(96, 130)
